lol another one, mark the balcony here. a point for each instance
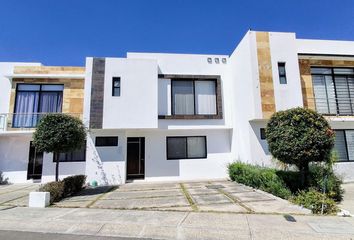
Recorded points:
(332, 106)
(24, 121)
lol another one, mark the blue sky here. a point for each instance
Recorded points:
(64, 32)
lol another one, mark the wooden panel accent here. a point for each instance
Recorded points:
(265, 74)
(305, 64)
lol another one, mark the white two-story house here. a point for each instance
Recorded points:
(158, 117)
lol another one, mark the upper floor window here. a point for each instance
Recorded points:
(333, 90)
(116, 86)
(32, 100)
(282, 73)
(193, 97)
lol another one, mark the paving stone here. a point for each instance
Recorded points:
(251, 196)
(238, 189)
(276, 206)
(20, 202)
(73, 204)
(224, 207)
(200, 191)
(182, 209)
(142, 194)
(196, 184)
(210, 199)
(142, 202)
(12, 196)
(147, 186)
(121, 230)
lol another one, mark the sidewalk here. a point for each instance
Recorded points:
(173, 225)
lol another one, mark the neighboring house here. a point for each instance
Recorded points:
(155, 116)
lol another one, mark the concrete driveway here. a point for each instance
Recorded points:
(204, 196)
(16, 194)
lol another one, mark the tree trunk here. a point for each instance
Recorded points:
(304, 172)
(56, 155)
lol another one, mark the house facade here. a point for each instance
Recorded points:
(154, 116)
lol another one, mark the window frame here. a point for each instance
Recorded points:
(71, 153)
(40, 91)
(113, 87)
(194, 97)
(282, 64)
(186, 137)
(333, 76)
(348, 160)
(101, 137)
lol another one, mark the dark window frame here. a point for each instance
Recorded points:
(346, 146)
(186, 137)
(102, 144)
(333, 75)
(282, 75)
(262, 133)
(113, 87)
(67, 154)
(219, 104)
(40, 91)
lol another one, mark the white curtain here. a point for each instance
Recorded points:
(26, 109)
(183, 97)
(205, 97)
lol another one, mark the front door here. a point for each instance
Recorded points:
(135, 157)
(35, 163)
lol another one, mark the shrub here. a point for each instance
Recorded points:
(265, 179)
(299, 136)
(56, 190)
(313, 199)
(73, 184)
(3, 180)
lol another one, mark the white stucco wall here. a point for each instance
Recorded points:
(324, 47)
(136, 107)
(106, 165)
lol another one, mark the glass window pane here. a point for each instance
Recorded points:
(343, 70)
(282, 80)
(52, 87)
(116, 92)
(321, 70)
(116, 83)
(28, 87)
(183, 97)
(106, 141)
(196, 147)
(339, 146)
(343, 97)
(176, 148)
(205, 97)
(350, 143)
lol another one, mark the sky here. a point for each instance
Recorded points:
(64, 32)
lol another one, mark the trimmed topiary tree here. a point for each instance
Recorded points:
(299, 136)
(59, 133)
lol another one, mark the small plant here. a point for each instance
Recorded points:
(73, 184)
(3, 180)
(265, 179)
(56, 190)
(313, 200)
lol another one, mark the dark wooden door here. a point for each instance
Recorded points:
(35, 163)
(135, 157)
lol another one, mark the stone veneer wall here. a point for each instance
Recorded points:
(305, 64)
(97, 93)
(73, 94)
(265, 74)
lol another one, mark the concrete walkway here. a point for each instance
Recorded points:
(16, 194)
(174, 225)
(348, 201)
(201, 196)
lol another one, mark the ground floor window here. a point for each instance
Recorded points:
(344, 145)
(74, 156)
(186, 147)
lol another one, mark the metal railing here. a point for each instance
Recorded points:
(332, 106)
(25, 121)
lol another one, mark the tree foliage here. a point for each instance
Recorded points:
(299, 136)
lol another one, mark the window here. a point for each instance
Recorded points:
(344, 145)
(32, 100)
(282, 73)
(74, 156)
(333, 90)
(106, 141)
(263, 133)
(116, 86)
(193, 97)
(186, 147)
